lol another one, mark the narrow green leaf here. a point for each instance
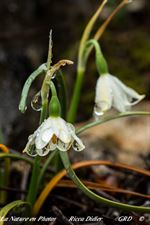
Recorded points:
(27, 85)
(108, 118)
(6, 209)
(15, 156)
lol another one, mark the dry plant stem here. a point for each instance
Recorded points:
(49, 58)
(88, 30)
(46, 88)
(51, 185)
(101, 30)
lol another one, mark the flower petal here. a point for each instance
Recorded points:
(63, 146)
(47, 135)
(131, 93)
(62, 130)
(30, 146)
(39, 143)
(120, 100)
(103, 98)
(43, 151)
(76, 142)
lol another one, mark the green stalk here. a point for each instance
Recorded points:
(94, 196)
(14, 156)
(45, 166)
(101, 63)
(81, 65)
(76, 95)
(108, 118)
(33, 187)
(44, 111)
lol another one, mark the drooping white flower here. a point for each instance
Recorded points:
(111, 92)
(53, 133)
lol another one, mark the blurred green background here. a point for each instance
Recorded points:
(24, 30)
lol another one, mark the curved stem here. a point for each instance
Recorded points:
(94, 196)
(101, 30)
(13, 156)
(101, 64)
(27, 85)
(9, 207)
(108, 118)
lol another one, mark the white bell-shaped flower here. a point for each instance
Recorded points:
(111, 92)
(53, 133)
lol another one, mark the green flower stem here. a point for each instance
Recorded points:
(44, 96)
(45, 166)
(108, 118)
(53, 89)
(94, 196)
(81, 65)
(54, 105)
(44, 111)
(101, 63)
(34, 184)
(76, 95)
(33, 187)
